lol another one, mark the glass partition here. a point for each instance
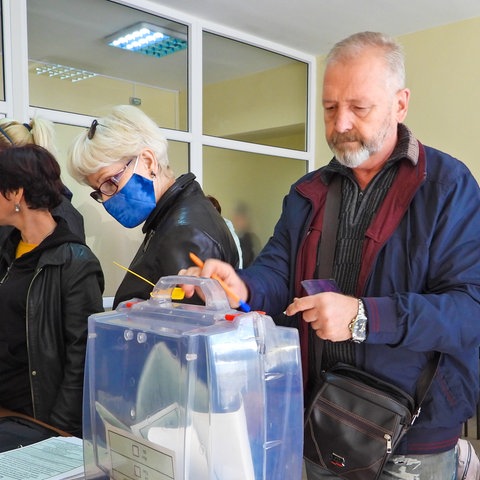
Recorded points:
(249, 95)
(250, 188)
(2, 77)
(252, 94)
(77, 62)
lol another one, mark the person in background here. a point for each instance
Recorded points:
(50, 282)
(40, 132)
(123, 157)
(406, 260)
(230, 226)
(249, 242)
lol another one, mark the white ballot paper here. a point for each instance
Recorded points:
(57, 458)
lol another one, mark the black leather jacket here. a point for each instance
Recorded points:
(66, 288)
(183, 221)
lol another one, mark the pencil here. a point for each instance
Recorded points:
(243, 305)
(177, 293)
(133, 273)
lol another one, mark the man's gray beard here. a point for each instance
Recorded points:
(352, 159)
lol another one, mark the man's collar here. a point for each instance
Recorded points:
(406, 149)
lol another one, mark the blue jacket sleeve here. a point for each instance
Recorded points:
(424, 292)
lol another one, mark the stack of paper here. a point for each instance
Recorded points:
(57, 458)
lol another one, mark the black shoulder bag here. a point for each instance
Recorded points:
(354, 420)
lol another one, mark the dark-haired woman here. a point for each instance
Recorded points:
(40, 131)
(50, 282)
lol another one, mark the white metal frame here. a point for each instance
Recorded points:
(16, 104)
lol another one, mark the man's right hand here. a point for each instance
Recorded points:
(216, 268)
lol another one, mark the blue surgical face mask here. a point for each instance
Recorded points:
(134, 202)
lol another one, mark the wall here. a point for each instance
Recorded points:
(443, 74)
(258, 181)
(265, 100)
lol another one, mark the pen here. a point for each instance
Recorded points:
(243, 305)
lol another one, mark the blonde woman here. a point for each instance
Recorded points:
(123, 158)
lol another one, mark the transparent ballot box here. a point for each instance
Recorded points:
(198, 392)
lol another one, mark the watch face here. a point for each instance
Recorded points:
(358, 327)
(359, 333)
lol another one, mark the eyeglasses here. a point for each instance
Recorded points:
(110, 186)
(93, 129)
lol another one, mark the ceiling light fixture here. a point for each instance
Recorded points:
(63, 72)
(148, 39)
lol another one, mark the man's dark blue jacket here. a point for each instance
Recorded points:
(420, 282)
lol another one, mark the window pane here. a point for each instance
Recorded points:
(109, 240)
(72, 68)
(242, 183)
(253, 95)
(178, 156)
(2, 79)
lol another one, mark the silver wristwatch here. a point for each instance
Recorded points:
(358, 326)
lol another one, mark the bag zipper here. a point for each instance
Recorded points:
(388, 439)
(5, 276)
(359, 423)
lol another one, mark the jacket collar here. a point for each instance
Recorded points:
(168, 199)
(398, 199)
(49, 246)
(407, 148)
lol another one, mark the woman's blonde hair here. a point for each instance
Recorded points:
(121, 134)
(38, 132)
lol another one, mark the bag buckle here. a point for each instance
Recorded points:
(388, 439)
(337, 460)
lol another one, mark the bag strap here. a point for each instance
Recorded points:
(328, 240)
(6, 413)
(325, 258)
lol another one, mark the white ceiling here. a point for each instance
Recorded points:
(72, 32)
(313, 26)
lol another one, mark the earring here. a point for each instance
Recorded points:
(17, 207)
(152, 175)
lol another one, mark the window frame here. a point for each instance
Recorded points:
(16, 104)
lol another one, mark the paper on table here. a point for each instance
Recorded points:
(57, 458)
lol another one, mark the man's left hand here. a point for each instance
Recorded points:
(328, 313)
